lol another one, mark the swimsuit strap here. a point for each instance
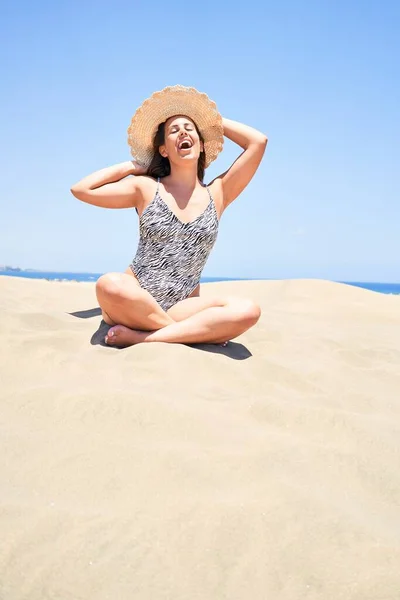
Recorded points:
(209, 193)
(158, 185)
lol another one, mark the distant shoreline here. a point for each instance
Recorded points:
(19, 270)
(82, 277)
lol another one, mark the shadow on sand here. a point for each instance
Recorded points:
(232, 350)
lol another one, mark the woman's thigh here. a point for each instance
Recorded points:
(192, 305)
(123, 301)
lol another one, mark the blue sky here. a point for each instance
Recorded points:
(321, 79)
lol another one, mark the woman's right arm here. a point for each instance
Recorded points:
(110, 187)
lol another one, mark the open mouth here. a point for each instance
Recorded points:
(185, 145)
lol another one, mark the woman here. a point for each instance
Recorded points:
(173, 136)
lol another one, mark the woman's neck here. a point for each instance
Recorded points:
(184, 178)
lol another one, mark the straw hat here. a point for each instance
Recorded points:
(171, 101)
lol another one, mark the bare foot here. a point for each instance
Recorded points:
(122, 336)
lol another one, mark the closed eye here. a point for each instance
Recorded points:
(187, 128)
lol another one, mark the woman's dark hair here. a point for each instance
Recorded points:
(160, 166)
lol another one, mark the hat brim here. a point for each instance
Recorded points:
(171, 101)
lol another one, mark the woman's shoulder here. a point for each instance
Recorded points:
(147, 178)
(146, 183)
(147, 187)
(216, 191)
(215, 186)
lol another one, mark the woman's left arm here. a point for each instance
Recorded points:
(237, 177)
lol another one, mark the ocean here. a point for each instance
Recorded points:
(383, 288)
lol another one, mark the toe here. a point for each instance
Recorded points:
(111, 335)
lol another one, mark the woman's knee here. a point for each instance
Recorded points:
(246, 310)
(109, 284)
(116, 285)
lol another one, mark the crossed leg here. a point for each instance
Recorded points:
(194, 320)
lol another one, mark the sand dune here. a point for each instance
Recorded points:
(265, 470)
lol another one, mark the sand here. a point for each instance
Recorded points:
(269, 469)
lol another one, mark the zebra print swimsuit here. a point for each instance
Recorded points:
(171, 254)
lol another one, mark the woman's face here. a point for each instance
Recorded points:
(181, 140)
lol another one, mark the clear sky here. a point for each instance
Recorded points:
(321, 79)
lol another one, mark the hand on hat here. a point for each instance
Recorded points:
(138, 169)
